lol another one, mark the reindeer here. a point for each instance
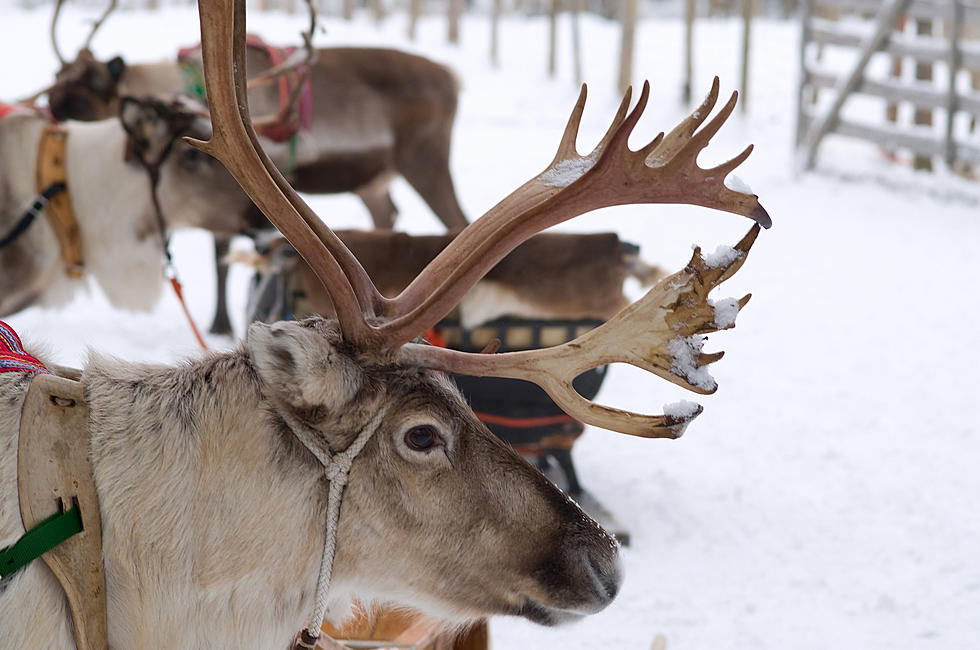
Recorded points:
(567, 276)
(377, 114)
(118, 232)
(215, 477)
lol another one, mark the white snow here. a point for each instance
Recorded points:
(723, 256)
(725, 312)
(566, 172)
(736, 184)
(821, 501)
(683, 351)
(682, 409)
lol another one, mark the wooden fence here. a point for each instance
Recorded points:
(938, 40)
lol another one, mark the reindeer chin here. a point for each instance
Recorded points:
(547, 616)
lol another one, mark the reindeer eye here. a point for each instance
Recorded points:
(423, 438)
(190, 157)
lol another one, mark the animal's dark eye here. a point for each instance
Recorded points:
(191, 157)
(423, 438)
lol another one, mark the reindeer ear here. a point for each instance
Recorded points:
(116, 67)
(303, 366)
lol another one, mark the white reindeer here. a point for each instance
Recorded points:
(215, 477)
(110, 192)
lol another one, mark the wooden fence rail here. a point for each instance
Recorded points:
(875, 28)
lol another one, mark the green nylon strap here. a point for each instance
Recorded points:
(42, 538)
(193, 81)
(290, 165)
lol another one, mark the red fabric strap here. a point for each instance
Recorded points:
(13, 358)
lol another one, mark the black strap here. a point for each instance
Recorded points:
(25, 222)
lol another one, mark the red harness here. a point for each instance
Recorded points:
(291, 118)
(13, 358)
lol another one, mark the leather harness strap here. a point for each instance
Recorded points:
(54, 474)
(51, 169)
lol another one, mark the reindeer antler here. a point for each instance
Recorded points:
(572, 185)
(299, 60)
(660, 333)
(54, 35)
(98, 23)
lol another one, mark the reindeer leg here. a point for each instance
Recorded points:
(221, 324)
(425, 165)
(377, 198)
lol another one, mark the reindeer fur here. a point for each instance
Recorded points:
(213, 511)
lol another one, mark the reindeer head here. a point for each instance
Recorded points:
(85, 89)
(433, 493)
(190, 182)
(373, 341)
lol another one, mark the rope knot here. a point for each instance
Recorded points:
(339, 468)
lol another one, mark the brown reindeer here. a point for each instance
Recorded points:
(550, 276)
(377, 114)
(215, 478)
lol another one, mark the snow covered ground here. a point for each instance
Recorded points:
(828, 496)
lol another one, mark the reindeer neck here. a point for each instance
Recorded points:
(160, 79)
(217, 511)
(113, 204)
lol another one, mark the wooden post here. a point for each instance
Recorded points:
(578, 6)
(348, 9)
(377, 10)
(801, 120)
(953, 63)
(553, 37)
(923, 72)
(746, 41)
(891, 108)
(689, 10)
(628, 16)
(414, 10)
(886, 17)
(495, 33)
(455, 11)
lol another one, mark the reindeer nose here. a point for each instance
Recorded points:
(607, 572)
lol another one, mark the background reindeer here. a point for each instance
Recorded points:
(562, 276)
(376, 114)
(211, 448)
(110, 192)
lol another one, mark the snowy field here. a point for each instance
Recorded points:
(827, 499)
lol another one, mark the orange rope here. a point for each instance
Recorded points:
(175, 283)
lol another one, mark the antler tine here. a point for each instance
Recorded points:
(54, 35)
(98, 23)
(36, 96)
(611, 174)
(566, 148)
(683, 131)
(660, 333)
(235, 144)
(617, 119)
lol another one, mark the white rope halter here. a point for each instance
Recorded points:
(337, 468)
